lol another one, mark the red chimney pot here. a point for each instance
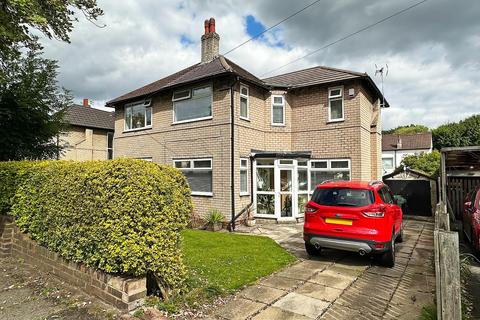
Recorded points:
(85, 102)
(207, 26)
(212, 25)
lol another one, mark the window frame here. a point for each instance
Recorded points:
(243, 86)
(328, 168)
(174, 121)
(244, 169)
(192, 168)
(393, 163)
(283, 108)
(110, 133)
(335, 98)
(147, 103)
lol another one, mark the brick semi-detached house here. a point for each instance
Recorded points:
(243, 141)
(89, 134)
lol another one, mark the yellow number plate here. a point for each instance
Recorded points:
(345, 222)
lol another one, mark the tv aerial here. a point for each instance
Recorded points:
(383, 73)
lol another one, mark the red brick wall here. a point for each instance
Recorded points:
(125, 293)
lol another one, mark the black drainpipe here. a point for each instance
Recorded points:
(232, 152)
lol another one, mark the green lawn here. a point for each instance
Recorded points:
(229, 261)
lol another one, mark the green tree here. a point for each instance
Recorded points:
(458, 134)
(31, 105)
(54, 18)
(428, 163)
(408, 129)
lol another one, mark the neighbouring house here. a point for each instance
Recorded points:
(395, 147)
(245, 142)
(89, 135)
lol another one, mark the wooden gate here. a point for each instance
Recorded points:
(457, 189)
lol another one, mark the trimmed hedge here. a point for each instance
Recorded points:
(10, 176)
(121, 216)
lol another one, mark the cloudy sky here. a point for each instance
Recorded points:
(432, 51)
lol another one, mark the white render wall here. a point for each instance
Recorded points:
(398, 157)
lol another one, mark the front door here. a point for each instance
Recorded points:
(281, 188)
(285, 193)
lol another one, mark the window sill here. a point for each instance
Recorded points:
(137, 129)
(336, 120)
(202, 194)
(244, 194)
(278, 124)
(192, 120)
(245, 119)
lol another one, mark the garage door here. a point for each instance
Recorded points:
(416, 192)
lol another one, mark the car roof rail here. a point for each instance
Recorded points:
(326, 181)
(371, 183)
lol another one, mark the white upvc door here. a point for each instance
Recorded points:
(284, 196)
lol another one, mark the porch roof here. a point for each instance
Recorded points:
(281, 154)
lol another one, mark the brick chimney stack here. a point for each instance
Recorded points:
(399, 143)
(210, 41)
(86, 103)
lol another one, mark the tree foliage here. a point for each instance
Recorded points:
(54, 18)
(458, 134)
(408, 129)
(31, 105)
(428, 163)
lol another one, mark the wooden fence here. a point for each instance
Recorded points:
(447, 267)
(457, 189)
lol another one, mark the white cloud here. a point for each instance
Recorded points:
(432, 55)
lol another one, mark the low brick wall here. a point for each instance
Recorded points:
(125, 293)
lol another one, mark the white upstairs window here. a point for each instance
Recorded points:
(335, 104)
(138, 115)
(244, 103)
(278, 110)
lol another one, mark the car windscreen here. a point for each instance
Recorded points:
(343, 197)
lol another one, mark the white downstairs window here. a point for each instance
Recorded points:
(243, 176)
(335, 169)
(198, 173)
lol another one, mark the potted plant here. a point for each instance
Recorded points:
(214, 220)
(250, 222)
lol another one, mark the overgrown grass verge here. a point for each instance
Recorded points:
(220, 263)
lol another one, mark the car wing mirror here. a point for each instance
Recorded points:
(468, 204)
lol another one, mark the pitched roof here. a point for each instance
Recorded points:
(320, 75)
(219, 65)
(89, 117)
(409, 141)
(312, 76)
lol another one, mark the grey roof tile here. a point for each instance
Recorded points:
(89, 117)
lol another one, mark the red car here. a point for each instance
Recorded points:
(353, 216)
(471, 218)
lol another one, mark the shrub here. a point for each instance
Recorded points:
(10, 176)
(214, 216)
(121, 216)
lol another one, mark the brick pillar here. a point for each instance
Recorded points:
(6, 236)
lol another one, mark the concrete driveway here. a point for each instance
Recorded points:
(340, 285)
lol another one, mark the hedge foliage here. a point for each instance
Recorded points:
(10, 176)
(121, 216)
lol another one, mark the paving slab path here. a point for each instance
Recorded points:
(340, 285)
